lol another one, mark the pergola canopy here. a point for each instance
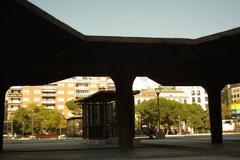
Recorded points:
(39, 49)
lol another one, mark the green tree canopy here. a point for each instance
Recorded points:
(171, 112)
(36, 117)
(74, 106)
(195, 116)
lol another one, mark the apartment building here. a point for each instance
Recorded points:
(235, 94)
(192, 94)
(55, 95)
(149, 93)
(195, 94)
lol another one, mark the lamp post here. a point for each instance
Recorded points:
(159, 134)
(157, 91)
(32, 121)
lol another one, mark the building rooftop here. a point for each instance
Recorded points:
(102, 96)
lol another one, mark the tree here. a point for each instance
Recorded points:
(226, 101)
(74, 106)
(170, 111)
(42, 120)
(226, 112)
(22, 121)
(171, 114)
(195, 117)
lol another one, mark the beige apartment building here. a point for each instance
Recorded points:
(182, 94)
(55, 95)
(149, 93)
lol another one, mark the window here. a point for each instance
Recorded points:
(15, 99)
(71, 92)
(26, 92)
(198, 93)
(193, 99)
(185, 101)
(70, 85)
(60, 99)
(81, 91)
(60, 84)
(193, 93)
(25, 99)
(60, 92)
(82, 85)
(94, 85)
(36, 99)
(206, 98)
(199, 100)
(36, 91)
(60, 106)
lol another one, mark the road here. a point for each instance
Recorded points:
(79, 143)
(172, 148)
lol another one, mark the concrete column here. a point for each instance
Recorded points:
(3, 91)
(215, 114)
(125, 111)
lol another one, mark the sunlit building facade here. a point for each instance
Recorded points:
(55, 95)
(192, 94)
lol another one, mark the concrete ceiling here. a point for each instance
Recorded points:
(37, 48)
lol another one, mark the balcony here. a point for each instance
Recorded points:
(82, 94)
(49, 107)
(12, 94)
(16, 88)
(15, 101)
(49, 94)
(48, 102)
(84, 80)
(51, 88)
(12, 109)
(82, 87)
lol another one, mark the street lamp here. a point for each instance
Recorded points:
(32, 121)
(157, 91)
(159, 134)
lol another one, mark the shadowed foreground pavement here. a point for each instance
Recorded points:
(191, 147)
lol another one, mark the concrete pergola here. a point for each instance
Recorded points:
(38, 49)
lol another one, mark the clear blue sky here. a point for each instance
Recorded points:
(146, 18)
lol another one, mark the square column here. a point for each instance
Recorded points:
(125, 112)
(3, 91)
(215, 113)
